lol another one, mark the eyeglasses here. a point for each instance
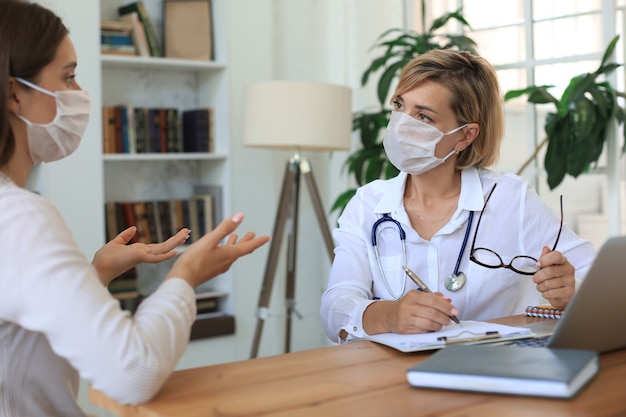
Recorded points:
(522, 264)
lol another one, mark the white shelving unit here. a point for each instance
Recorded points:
(162, 82)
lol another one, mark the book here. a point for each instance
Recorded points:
(137, 32)
(107, 49)
(115, 38)
(108, 129)
(197, 126)
(139, 8)
(542, 372)
(201, 205)
(217, 202)
(544, 311)
(188, 29)
(118, 26)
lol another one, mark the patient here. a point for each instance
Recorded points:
(57, 319)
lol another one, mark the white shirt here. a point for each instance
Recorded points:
(515, 222)
(57, 320)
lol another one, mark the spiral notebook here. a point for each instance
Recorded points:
(544, 311)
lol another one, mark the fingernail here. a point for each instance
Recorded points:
(454, 311)
(237, 218)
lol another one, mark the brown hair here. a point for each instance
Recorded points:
(475, 97)
(29, 38)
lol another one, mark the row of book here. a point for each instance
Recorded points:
(116, 38)
(125, 289)
(187, 31)
(132, 34)
(157, 221)
(129, 129)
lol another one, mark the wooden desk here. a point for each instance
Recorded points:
(356, 379)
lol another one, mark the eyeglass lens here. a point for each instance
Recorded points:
(522, 264)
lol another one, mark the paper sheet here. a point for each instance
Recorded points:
(467, 329)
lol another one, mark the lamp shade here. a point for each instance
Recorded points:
(296, 114)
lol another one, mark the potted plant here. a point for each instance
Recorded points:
(400, 46)
(577, 130)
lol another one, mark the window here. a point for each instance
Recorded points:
(541, 42)
(532, 42)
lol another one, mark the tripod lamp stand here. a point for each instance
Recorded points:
(297, 116)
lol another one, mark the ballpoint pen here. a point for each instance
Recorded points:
(422, 286)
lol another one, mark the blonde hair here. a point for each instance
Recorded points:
(475, 98)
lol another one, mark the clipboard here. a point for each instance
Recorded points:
(469, 332)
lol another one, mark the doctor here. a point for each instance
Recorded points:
(482, 241)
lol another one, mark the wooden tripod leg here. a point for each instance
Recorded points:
(292, 244)
(272, 260)
(305, 169)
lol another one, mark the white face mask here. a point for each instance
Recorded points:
(59, 138)
(410, 144)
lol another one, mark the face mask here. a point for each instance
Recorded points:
(59, 138)
(410, 144)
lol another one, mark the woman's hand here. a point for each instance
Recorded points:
(416, 312)
(555, 280)
(117, 257)
(206, 258)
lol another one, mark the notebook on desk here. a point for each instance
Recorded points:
(594, 317)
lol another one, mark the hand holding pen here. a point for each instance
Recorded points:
(423, 287)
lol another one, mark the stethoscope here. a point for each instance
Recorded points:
(454, 282)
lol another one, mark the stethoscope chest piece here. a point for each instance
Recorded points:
(455, 282)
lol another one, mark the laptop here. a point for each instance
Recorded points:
(595, 317)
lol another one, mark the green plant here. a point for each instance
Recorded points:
(576, 131)
(400, 46)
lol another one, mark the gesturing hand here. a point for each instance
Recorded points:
(117, 257)
(206, 258)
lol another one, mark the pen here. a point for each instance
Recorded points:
(423, 287)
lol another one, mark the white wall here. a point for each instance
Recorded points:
(312, 40)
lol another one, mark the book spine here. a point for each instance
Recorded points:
(139, 7)
(138, 33)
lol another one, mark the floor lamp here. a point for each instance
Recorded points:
(297, 116)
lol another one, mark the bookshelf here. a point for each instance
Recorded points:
(156, 82)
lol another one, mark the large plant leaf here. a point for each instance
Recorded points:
(596, 143)
(536, 94)
(343, 199)
(460, 42)
(375, 165)
(609, 50)
(388, 76)
(607, 69)
(603, 98)
(442, 20)
(580, 138)
(555, 160)
(583, 119)
(574, 91)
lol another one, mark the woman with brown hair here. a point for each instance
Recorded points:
(57, 319)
